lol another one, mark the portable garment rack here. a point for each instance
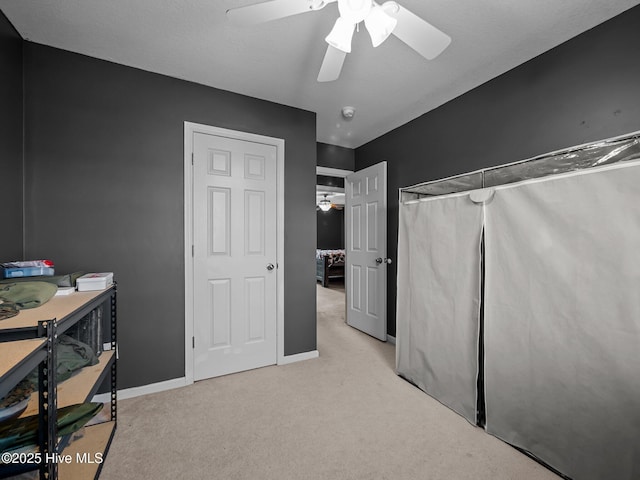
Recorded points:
(625, 148)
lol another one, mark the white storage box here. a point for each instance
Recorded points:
(94, 281)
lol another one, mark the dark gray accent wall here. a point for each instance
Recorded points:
(329, 181)
(334, 156)
(330, 225)
(104, 192)
(583, 90)
(10, 141)
(330, 229)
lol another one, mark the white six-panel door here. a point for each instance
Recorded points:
(366, 250)
(234, 255)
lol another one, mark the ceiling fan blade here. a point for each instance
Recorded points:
(331, 65)
(423, 37)
(273, 10)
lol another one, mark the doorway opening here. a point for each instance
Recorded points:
(363, 264)
(330, 245)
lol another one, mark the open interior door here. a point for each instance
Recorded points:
(366, 249)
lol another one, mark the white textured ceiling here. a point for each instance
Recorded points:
(279, 61)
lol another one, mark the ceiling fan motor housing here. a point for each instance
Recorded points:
(354, 11)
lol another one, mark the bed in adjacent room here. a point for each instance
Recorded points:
(329, 264)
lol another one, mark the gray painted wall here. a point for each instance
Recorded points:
(330, 225)
(584, 90)
(10, 141)
(104, 191)
(330, 229)
(333, 156)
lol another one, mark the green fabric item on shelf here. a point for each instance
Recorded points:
(72, 355)
(21, 432)
(7, 310)
(27, 294)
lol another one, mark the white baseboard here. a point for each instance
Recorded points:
(143, 390)
(299, 357)
(182, 382)
(391, 340)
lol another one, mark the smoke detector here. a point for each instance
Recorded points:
(348, 112)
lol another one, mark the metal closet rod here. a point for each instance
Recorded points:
(632, 139)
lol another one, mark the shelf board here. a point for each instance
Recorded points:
(96, 439)
(17, 359)
(77, 388)
(12, 353)
(59, 307)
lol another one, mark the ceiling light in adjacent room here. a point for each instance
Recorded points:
(324, 204)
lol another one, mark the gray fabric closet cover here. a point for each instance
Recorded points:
(562, 321)
(439, 298)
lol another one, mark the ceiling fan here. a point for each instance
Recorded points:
(325, 204)
(379, 20)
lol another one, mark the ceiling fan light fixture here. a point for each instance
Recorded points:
(341, 34)
(324, 204)
(379, 25)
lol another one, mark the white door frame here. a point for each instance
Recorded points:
(189, 130)
(333, 172)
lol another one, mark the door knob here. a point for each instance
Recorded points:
(380, 260)
(270, 266)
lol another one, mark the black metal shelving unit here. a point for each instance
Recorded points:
(31, 342)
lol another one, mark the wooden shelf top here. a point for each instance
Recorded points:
(58, 307)
(95, 441)
(12, 353)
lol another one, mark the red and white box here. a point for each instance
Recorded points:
(94, 281)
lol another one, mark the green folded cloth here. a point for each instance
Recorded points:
(21, 432)
(27, 294)
(72, 355)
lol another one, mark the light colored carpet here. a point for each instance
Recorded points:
(345, 415)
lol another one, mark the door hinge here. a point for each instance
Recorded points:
(192, 154)
(193, 250)
(193, 342)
